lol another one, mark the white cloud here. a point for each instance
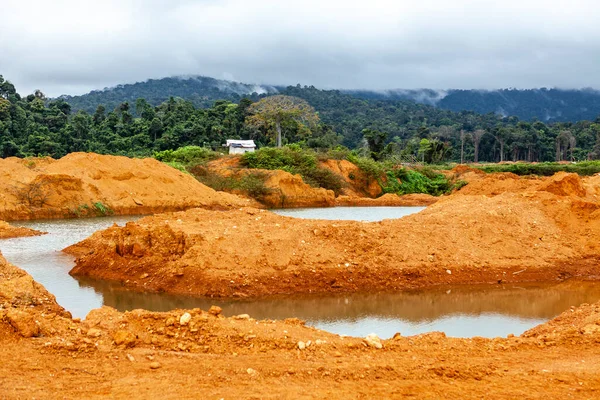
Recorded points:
(67, 46)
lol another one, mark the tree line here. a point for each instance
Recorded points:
(34, 125)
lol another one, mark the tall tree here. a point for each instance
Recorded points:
(277, 110)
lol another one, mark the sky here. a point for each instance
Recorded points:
(74, 46)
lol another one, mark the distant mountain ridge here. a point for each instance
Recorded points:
(547, 105)
(200, 90)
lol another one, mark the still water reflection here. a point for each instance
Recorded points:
(461, 311)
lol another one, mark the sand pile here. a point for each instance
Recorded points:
(87, 184)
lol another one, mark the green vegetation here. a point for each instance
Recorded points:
(191, 131)
(294, 160)
(251, 183)
(405, 181)
(584, 168)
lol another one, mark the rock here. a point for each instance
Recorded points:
(301, 345)
(319, 342)
(242, 316)
(373, 341)
(449, 272)
(130, 358)
(144, 275)
(125, 338)
(251, 371)
(591, 329)
(155, 365)
(170, 321)
(215, 310)
(23, 323)
(397, 336)
(93, 332)
(185, 319)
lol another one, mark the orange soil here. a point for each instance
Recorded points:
(70, 186)
(548, 232)
(358, 184)
(198, 354)
(9, 231)
(290, 191)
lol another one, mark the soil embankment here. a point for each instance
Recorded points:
(8, 231)
(285, 190)
(546, 232)
(46, 354)
(87, 184)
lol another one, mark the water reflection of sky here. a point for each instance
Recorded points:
(463, 311)
(486, 325)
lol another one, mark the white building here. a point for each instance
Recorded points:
(240, 146)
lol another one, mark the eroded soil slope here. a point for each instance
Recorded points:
(548, 231)
(87, 184)
(200, 354)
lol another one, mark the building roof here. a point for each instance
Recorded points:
(248, 144)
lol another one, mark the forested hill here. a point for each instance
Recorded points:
(200, 90)
(548, 105)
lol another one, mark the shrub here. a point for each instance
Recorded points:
(187, 155)
(413, 181)
(294, 160)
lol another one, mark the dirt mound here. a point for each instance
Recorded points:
(388, 200)
(564, 184)
(9, 231)
(21, 301)
(290, 191)
(241, 357)
(507, 237)
(358, 183)
(87, 184)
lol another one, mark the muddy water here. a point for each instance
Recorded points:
(350, 213)
(462, 311)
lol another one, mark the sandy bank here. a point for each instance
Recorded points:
(87, 184)
(549, 231)
(200, 354)
(8, 231)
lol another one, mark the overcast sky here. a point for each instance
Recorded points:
(74, 46)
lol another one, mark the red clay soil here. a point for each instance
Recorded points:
(358, 184)
(8, 231)
(185, 354)
(285, 190)
(539, 234)
(82, 184)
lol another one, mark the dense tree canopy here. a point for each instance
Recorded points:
(34, 125)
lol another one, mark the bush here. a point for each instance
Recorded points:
(252, 183)
(187, 155)
(413, 181)
(294, 160)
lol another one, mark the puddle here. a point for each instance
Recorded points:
(460, 311)
(370, 214)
